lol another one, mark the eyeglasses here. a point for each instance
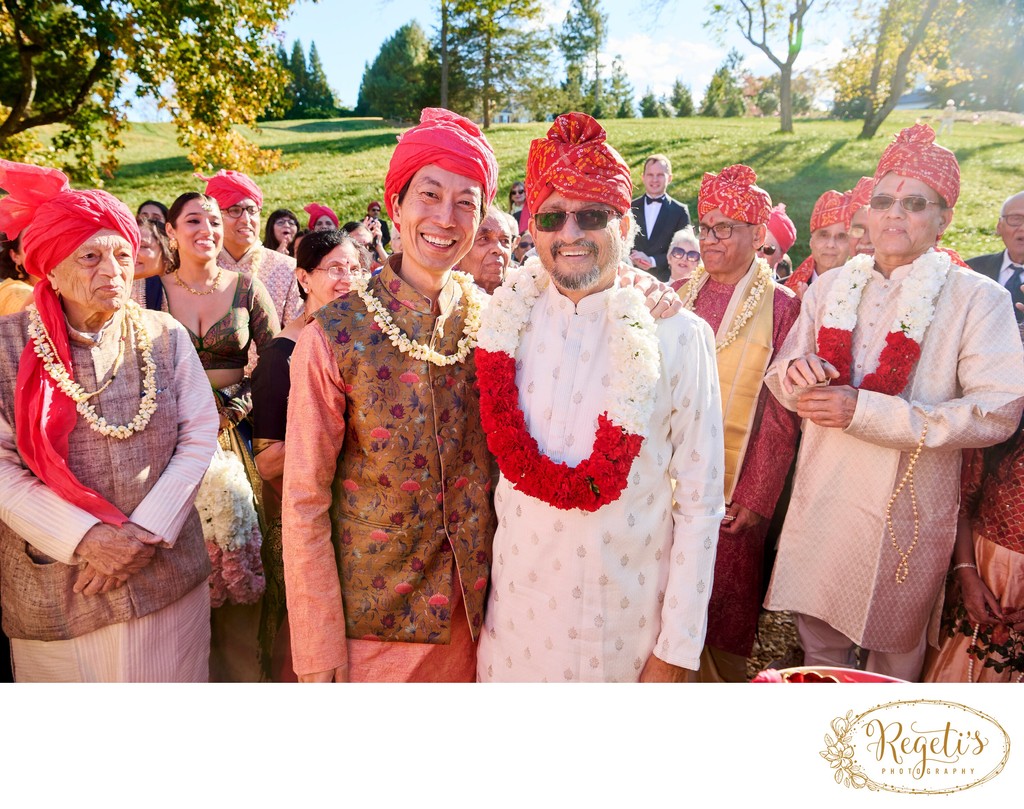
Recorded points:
(525, 244)
(518, 191)
(689, 255)
(589, 219)
(236, 211)
(1014, 220)
(767, 249)
(912, 204)
(722, 232)
(856, 231)
(374, 210)
(338, 271)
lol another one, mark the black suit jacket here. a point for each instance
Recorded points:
(673, 216)
(989, 265)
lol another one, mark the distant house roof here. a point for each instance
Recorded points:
(916, 99)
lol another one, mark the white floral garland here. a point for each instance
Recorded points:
(43, 347)
(224, 502)
(417, 350)
(915, 307)
(635, 358)
(746, 311)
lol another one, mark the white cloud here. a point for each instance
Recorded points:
(655, 64)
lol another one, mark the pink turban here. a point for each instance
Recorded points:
(829, 210)
(231, 187)
(58, 220)
(782, 227)
(914, 153)
(859, 197)
(316, 210)
(575, 161)
(735, 193)
(448, 141)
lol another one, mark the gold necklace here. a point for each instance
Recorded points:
(903, 568)
(746, 311)
(210, 291)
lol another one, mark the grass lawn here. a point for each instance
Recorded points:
(342, 163)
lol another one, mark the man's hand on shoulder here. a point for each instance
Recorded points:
(662, 300)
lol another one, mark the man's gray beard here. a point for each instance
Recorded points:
(585, 280)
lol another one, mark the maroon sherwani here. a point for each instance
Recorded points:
(736, 594)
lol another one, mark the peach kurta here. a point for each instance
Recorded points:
(836, 560)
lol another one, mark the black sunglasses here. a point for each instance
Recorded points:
(767, 249)
(679, 252)
(589, 219)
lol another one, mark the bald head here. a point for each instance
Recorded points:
(1011, 227)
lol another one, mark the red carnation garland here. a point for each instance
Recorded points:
(895, 363)
(595, 482)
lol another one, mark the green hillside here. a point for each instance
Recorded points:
(342, 163)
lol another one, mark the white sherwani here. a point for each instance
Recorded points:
(836, 560)
(588, 596)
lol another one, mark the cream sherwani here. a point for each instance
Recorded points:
(836, 560)
(588, 596)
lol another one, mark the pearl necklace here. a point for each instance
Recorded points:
(46, 351)
(746, 311)
(210, 291)
(416, 350)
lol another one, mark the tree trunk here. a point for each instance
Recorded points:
(786, 98)
(444, 54)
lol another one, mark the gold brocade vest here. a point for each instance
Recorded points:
(36, 590)
(741, 370)
(414, 480)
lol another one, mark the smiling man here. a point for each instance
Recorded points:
(491, 255)
(751, 314)
(658, 216)
(897, 362)
(828, 242)
(241, 202)
(593, 410)
(387, 482)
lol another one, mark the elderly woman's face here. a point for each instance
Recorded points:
(324, 223)
(683, 259)
(94, 281)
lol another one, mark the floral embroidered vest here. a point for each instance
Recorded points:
(414, 480)
(36, 590)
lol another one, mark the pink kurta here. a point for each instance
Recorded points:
(736, 596)
(276, 271)
(836, 560)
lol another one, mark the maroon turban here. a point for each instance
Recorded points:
(735, 193)
(231, 187)
(782, 227)
(316, 210)
(448, 141)
(58, 220)
(575, 161)
(914, 153)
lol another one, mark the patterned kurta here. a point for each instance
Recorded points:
(589, 596)
(387, 491)
(276, 271)
(736, 596)
(836, 560)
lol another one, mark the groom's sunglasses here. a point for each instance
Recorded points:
(590, 219)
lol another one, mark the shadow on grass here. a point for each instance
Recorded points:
(328, 126)
(349, 145)
(148, 168)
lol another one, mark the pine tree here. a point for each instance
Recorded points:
(403, 77)
(681, 99)
(319, 96)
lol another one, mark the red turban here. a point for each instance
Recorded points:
(575, 161)
(231, 187)
(829, 210)
(859, 197)
(316, 210)
(914, 153)
(782, 227)
(448, 141)
(735, 193)
(58, 221)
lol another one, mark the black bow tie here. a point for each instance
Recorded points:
(651, 201)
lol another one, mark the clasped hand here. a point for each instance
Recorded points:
(824, 406)
(112, 554)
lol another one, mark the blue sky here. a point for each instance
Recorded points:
(655, 51)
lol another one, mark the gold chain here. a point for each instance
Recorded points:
(210, 291)
(903, 568)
